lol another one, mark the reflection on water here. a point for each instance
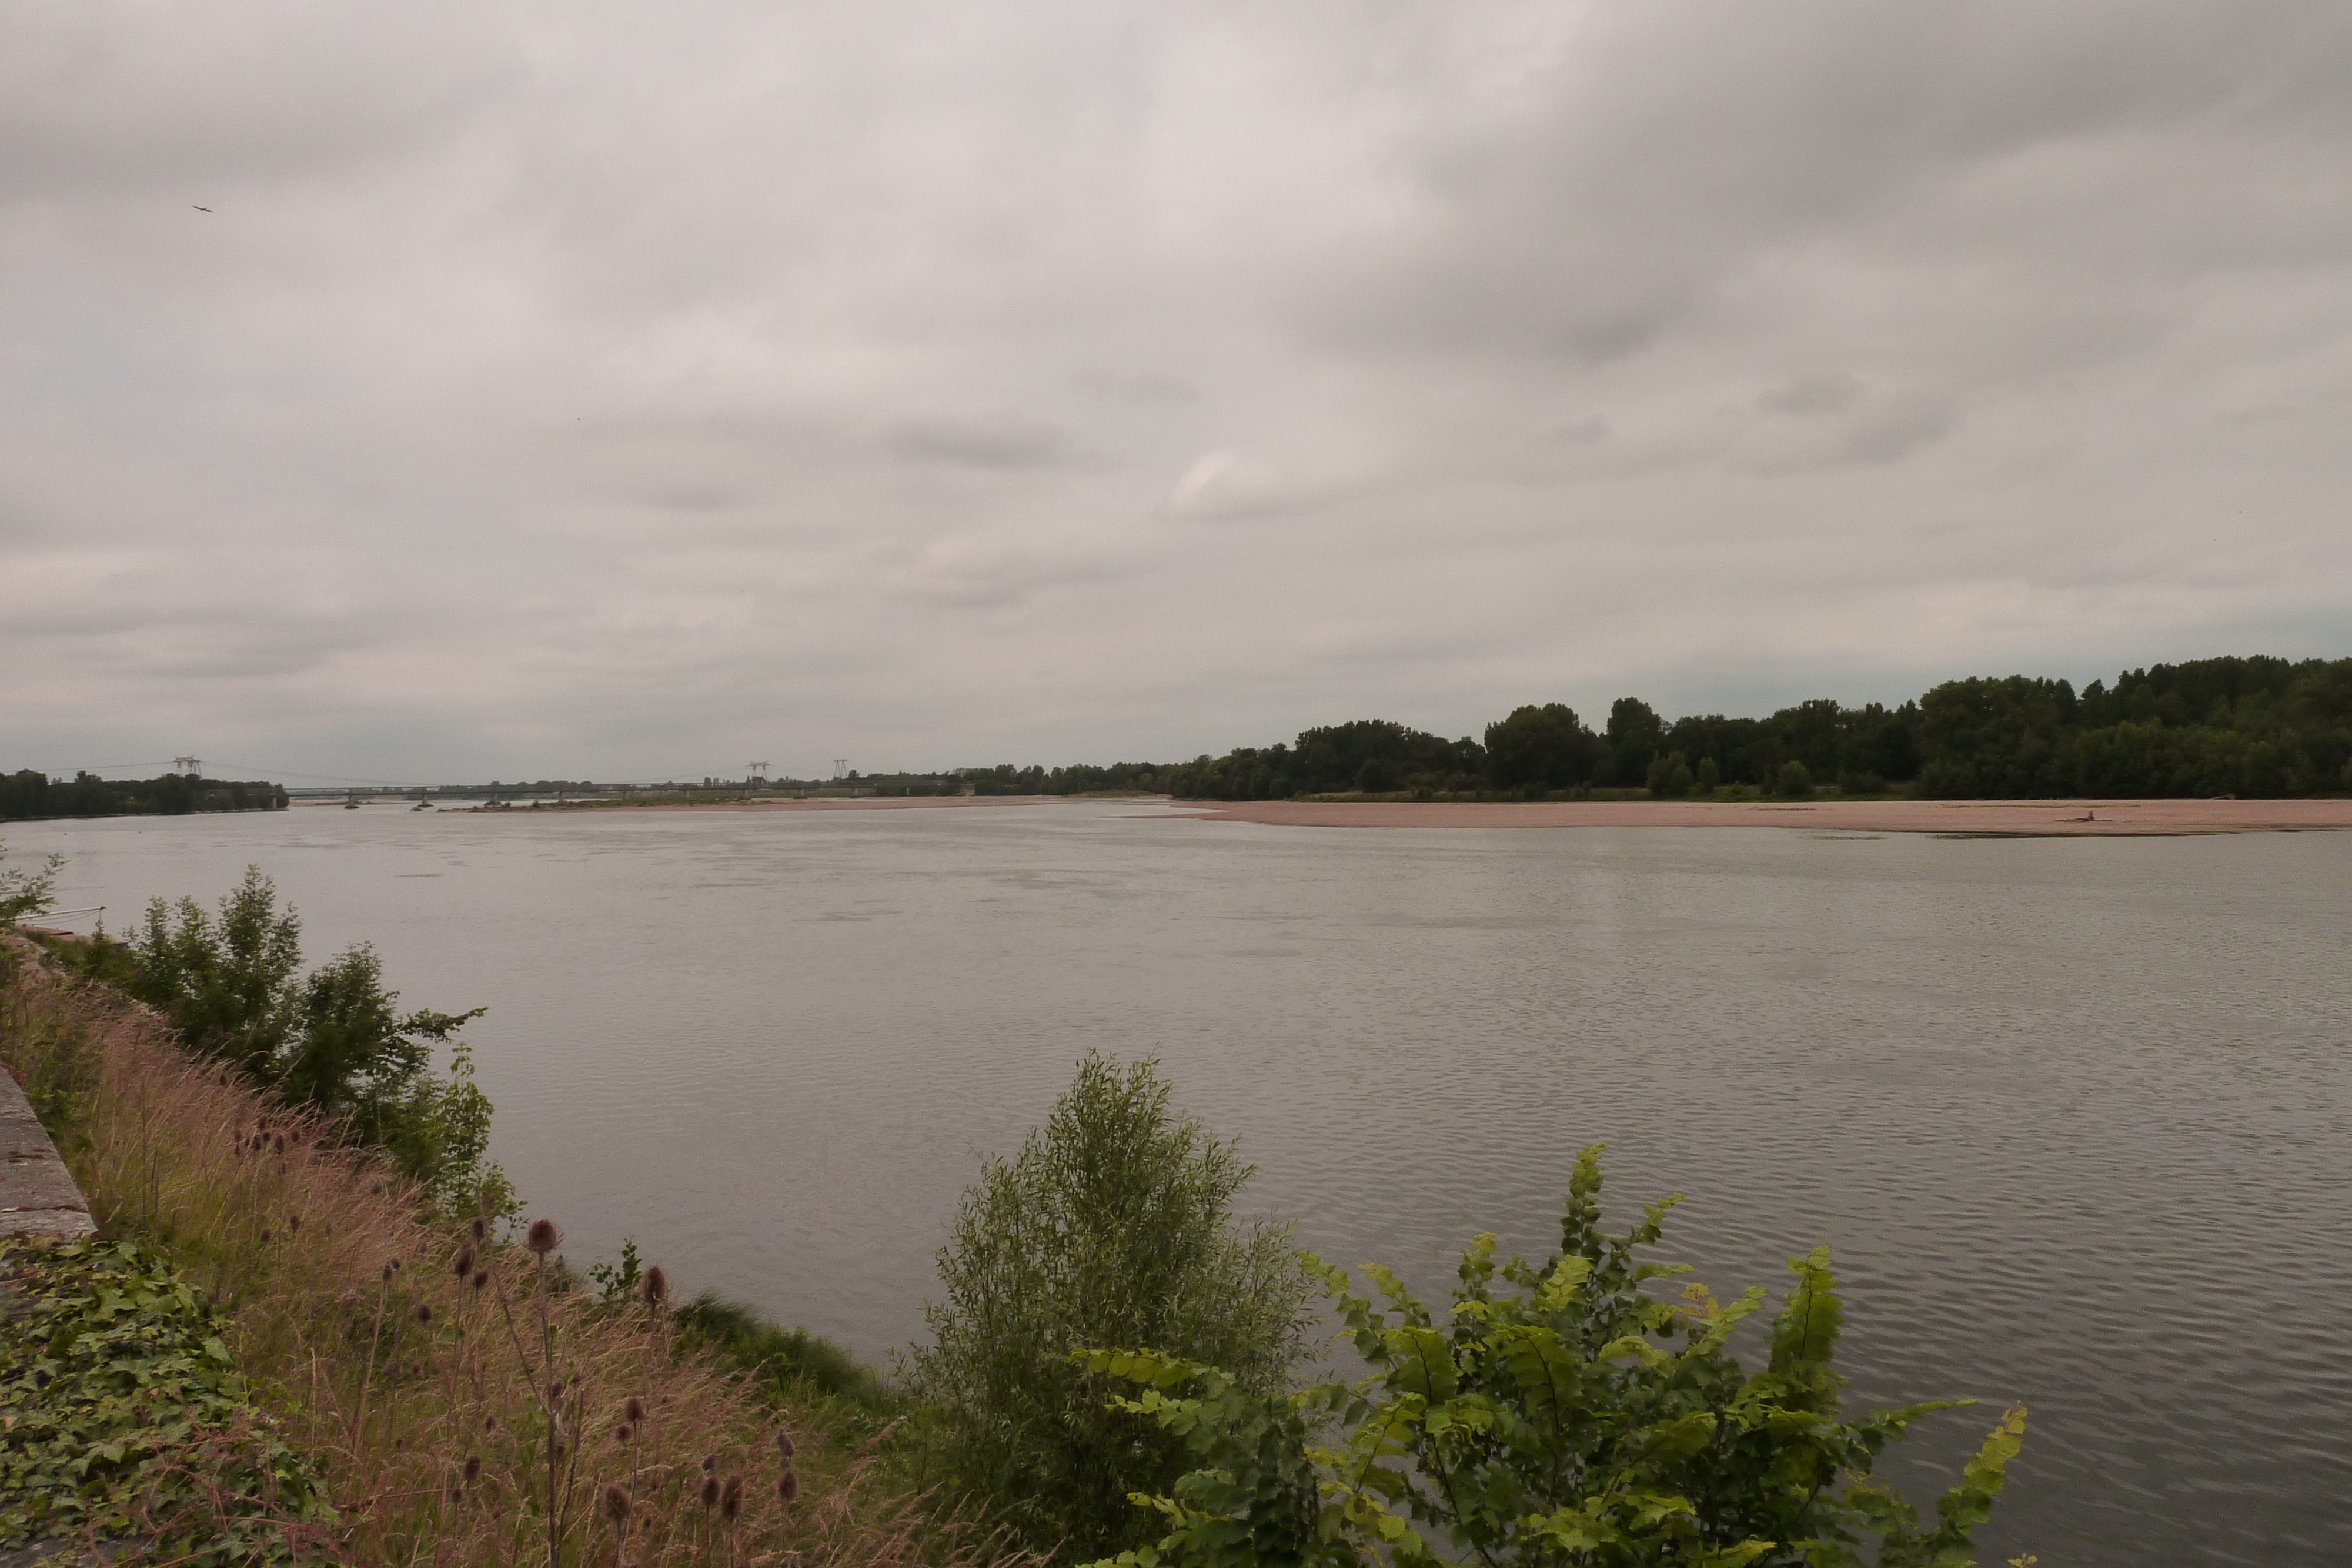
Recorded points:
(2071, 1112)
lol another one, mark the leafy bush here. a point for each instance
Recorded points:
(1554, 1422)
(1794, 781)
(125, 1417)
(24, 892)
(333, 1040)
(785, 1362)
(1112, 1226)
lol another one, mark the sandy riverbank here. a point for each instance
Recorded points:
(2009, 818)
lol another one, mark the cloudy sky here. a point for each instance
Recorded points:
(626, 391)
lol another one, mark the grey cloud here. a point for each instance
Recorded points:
(571, 388)
(1814, 392)
(982, 442)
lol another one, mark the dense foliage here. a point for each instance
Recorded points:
(232, 986)
(1113, 1224)
(1564, 1417)
(125, 1419)
(2214, 726)
(31, 793)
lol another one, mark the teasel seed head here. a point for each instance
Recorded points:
(709, 1464)
(265, 1237)
(625, 1431)
(730, 1499)
(543, 1237)
(784, 1446)
(465, 1261)
(710, 1491)
(634, 1409)
(473, 1469)
(423, 1311)
(481, 1228)
(616, 1504)
(788, 1485)
(375, 1189)
(481, 1278)
(657, 1286)
(293, 1225)
(387, 1272)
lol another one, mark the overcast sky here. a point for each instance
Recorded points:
(628, 391)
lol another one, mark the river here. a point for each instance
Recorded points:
(2070, 1113)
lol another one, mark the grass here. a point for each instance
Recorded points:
(463, 1406)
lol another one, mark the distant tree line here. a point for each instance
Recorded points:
(2248, 726)
(29, 794)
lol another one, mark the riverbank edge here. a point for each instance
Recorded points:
(2071, 818)
(867, 1512)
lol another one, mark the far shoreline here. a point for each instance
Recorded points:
(1955, 818)
(2075, 818)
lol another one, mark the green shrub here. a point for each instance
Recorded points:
(232, 987)
(24, 892)
(1113, 1224)
(1554, 1422)
(126, 1419)
(788, 1362)
(1794, 781)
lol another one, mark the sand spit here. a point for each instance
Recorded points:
(2005, 819)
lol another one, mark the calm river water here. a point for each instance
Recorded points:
(2072, 1112)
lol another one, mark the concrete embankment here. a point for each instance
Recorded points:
(37, 1195)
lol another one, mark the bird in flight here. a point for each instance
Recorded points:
(201, 209)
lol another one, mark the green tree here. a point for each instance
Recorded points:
(1572, 1419)
(1670, 776)
(1636, 734)
(1113, 1224)
(1548, 746)
(1794, 779)
(24, 892)
(231, 983)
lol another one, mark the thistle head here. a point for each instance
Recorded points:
(543, 1237)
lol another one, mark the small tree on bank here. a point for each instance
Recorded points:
(1561, 1415)
(1112, 1226)
(231, 983)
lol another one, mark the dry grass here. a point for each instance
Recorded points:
(431, 1375)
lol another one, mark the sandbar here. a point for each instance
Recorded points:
(2005, 819)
